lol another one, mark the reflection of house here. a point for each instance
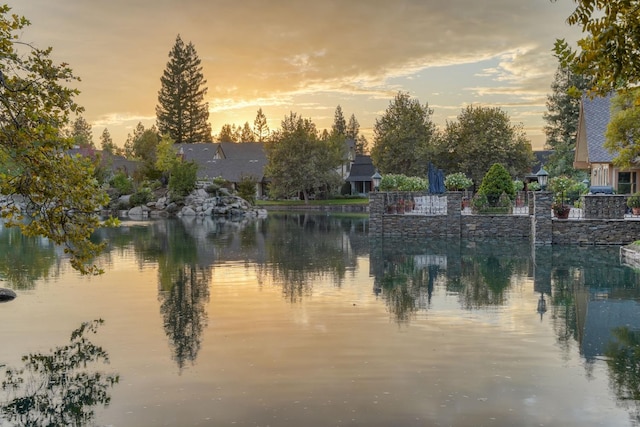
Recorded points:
(229, 160)
(598, 316)
(361, 171)
(592, 156)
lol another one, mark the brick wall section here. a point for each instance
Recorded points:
(604, 207)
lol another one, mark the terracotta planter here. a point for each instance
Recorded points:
(635, 211)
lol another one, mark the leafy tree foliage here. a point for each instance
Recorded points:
(182, 112)
(481, 137)
(35, 105)
(563, 109)
(260, 127)
(299, 161)
(183, 178)
(402, 137)
(623, 131)
(143, 146)
(609, 53)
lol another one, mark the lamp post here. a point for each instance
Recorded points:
(543, 176)
(376, 178)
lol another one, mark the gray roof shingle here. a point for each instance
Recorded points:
(596, 113)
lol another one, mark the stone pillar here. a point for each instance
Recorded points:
(541, 222)
(376, 209)
(454, 213)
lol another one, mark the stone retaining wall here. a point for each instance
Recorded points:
(539, 227)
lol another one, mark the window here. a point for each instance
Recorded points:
(626, 182)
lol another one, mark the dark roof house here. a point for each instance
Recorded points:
(591, 154)
(362, 170)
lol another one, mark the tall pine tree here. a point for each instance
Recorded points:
(182, 112)
(563, 108)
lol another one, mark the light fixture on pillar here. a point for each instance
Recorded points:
(376, 178)
(543, 176)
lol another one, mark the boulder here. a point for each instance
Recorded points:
(6, 295)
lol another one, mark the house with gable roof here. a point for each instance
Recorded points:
(228, 160)
(591, 154)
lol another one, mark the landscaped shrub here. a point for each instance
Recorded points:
(457, 182)
(495, 182)
(247, 189)
(121, 183)
(183, 178)
(398, 182)
(141, 197)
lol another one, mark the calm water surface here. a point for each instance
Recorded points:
(302, 320)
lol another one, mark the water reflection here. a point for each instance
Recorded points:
(302, 248)
(24, 260)
(406, 270)
(58, 388)
(591, 299)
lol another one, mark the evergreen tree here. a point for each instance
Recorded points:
(402, 137)
(563, 107)
(182, 112)
(339, 126)
(353, 128)
(246, 134)
(260, 127)
(106, 142)
(228, 133)
(81, 133)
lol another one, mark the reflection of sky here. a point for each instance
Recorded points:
(335, 357)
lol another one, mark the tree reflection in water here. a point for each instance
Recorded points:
(183, 310)
(24, 260)
(57, 388)
(407, 269)
(623, 360)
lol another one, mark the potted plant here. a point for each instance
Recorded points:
(559, 185)
(560, 210)
(633, 202)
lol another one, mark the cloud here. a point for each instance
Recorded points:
(277, 53)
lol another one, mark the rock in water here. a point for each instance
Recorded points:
(6, 294)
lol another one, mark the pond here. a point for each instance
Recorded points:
(303, 320)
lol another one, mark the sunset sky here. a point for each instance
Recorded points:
(307, 56)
